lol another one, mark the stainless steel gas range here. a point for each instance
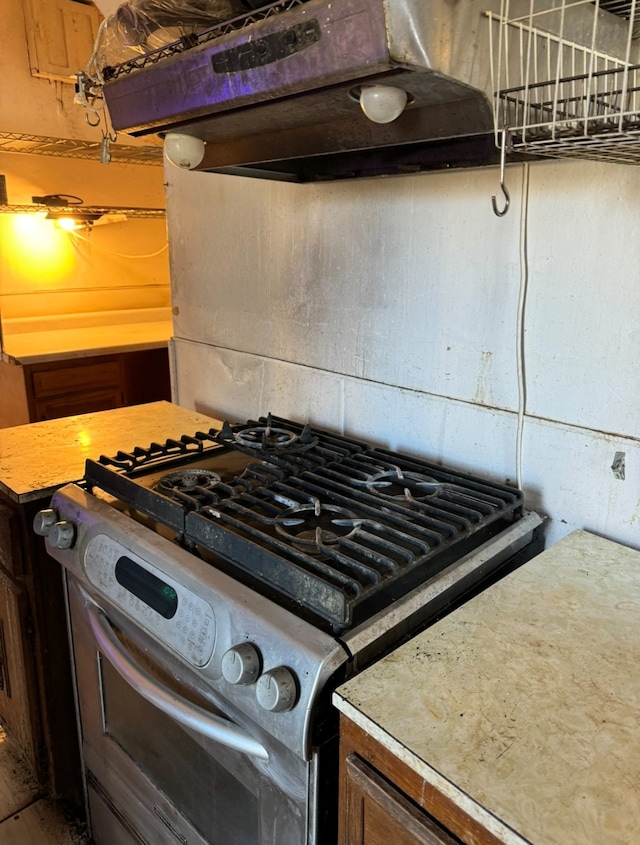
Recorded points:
(220, 586)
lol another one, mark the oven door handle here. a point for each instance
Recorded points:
(179, 709)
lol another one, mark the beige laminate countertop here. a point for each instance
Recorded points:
(43, 346)
(35, 459)
(523, 705)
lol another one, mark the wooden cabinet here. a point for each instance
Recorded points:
(384, 802)
(63, 388)
(60, 36)
(10, 542)
(17, 670)
(377, 813)
(36, 692)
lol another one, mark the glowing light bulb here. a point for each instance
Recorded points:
(36, 251)
(382, 103)
(67, 223)
(184, 151)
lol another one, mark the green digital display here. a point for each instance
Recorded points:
(150, 589)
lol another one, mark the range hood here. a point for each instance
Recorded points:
(276, 94)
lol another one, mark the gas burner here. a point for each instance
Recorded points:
(407, 486)
(316, 526)
(188, 482)
(268, 439)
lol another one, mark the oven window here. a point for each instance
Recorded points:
(222, 806)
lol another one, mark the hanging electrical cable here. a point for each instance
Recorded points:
(93, 245)
(520, 320)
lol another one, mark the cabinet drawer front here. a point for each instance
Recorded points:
(64, 380)
(376, 813)
(79, 403)
(10, 543)
(107, 827)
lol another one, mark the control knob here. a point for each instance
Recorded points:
(44, 520)
(241, 664)
(276, 690)
(61, 535)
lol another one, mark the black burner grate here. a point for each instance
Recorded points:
(331, 527)
(376, 549)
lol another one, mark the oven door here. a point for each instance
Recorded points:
(153, 773)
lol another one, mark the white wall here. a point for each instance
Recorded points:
(387, 309)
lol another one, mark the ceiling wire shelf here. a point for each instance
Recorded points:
(567, 78)
(15, 142)
(71, 210)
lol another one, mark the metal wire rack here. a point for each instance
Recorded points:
(80, 210)
(16, 142)
(567, 78)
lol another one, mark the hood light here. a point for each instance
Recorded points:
(184, 151)
(382, 103)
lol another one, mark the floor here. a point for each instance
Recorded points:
(27, 817)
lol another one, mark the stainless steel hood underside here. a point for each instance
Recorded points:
(278, 97)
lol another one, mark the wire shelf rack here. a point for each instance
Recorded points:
(80, 210)
(567, 78)
(16, 142)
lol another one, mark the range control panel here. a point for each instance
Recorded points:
(166, 609)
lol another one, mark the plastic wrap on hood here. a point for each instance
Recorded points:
(140, 26)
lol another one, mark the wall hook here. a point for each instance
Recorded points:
(503, 187)
(90, 122)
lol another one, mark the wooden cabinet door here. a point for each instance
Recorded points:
(86, 385)
(375, 813)
(10, 541)
(18, 701)
(60, 36)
